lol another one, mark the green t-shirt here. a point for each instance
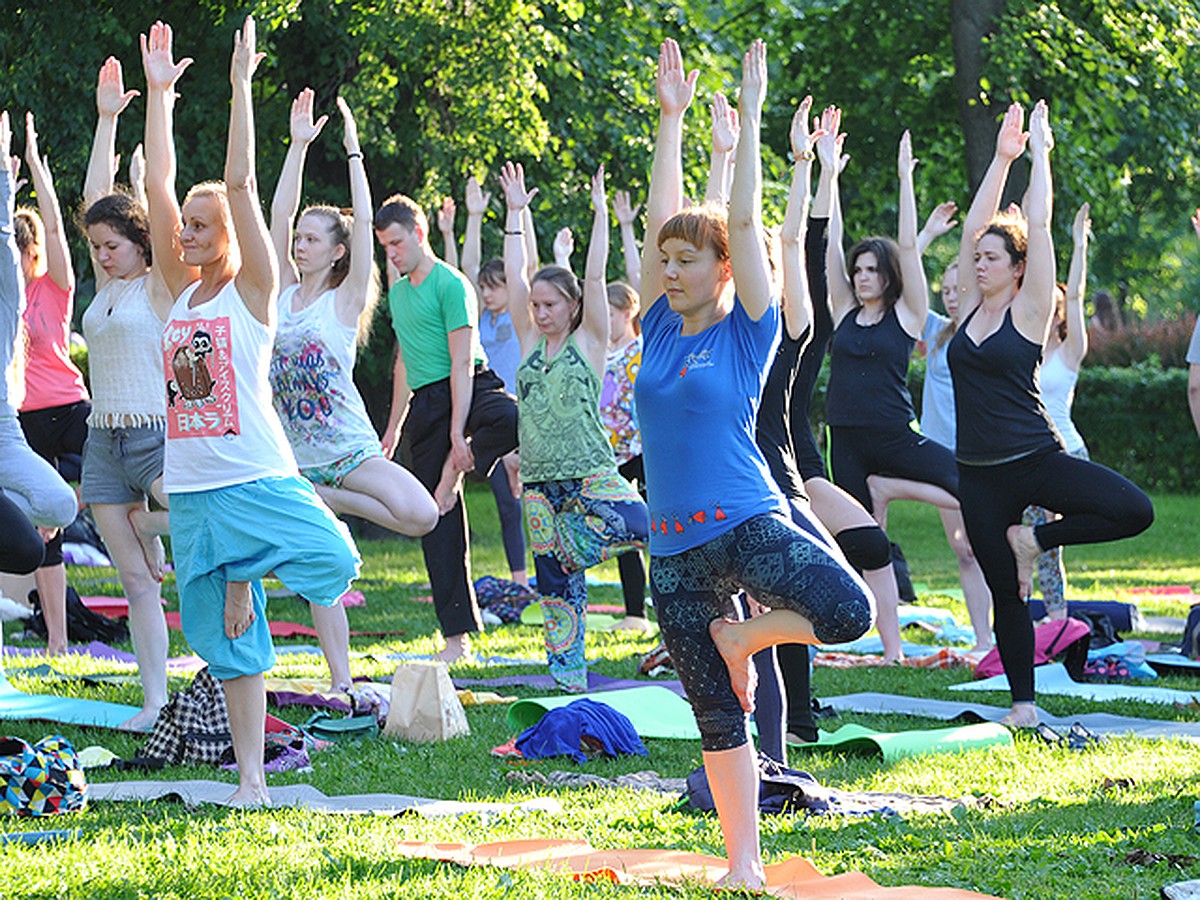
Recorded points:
(558, 424)
(422, 316)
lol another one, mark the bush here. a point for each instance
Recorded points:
(1165, 341)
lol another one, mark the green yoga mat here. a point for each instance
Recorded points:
(16, 704)
(655, 711)
(894, 746)
(532, 615)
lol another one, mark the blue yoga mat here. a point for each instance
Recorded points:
(16, 704)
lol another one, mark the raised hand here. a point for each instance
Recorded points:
(1010, 142)
(905, 161)
(245, 53)
(445, 215)
(157, 61)
(802, 140)
(564, 245)
(754, 77)
(674, 87)
(111, 96)
(512, 182)
(725, 126)
(941, 220)
(1081, 229)
(477, 198)
(303, 129)
(1041, 136)
(349, 127)
(32, 158)
(599, 194)
(6, 143)
(625, 212)
(829, 143)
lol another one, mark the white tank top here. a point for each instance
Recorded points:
(124, 337)
(221, 427)
(1058, 394)
(312, 380)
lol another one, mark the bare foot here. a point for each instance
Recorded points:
(239, 608)
(457, 646)
(742, 675)
(1022, 715)
(56, 649)
(512, 468)
(249, 798)
(893, 657)
(632, 623)
(143, 721)
(1026, 551)
(752, 878)
(448, 490)
(152, 546)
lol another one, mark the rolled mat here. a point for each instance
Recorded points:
(898, 745)
(796, 877)
(655, 711)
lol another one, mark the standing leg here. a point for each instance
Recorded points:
(246, 698)
(733, 779)
(333, 633)
(512, 526)
(975, 590)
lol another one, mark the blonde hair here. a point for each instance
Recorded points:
(218, 191)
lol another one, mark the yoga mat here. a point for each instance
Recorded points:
(897, 745)
(1103, 723)
(281, 629)
(305, 796)
(532, 615)
(595, 682)
(1052, 678)
(16, 704)
(930, 615)
(654, 711)
(95, 648)
(1174, 662)
(468, 660)
(873, 644)
(793, 878)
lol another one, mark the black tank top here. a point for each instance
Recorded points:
(813, 356)
(772, 432)
(868, 368)
(997, 399)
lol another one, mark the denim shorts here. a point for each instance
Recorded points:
(120, 464)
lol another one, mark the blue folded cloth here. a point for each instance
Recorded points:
(564, 731)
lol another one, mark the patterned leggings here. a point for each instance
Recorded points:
(781, 567)
(574, 524)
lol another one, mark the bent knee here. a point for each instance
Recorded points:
(866, 547)
(849, 620)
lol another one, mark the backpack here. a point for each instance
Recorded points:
(193, 726)
(83, 625)
(41, 780)
(1064, 637)
(1190, 645)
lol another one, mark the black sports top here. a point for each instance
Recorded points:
(772, 431)
(868, 369)
(997, 399)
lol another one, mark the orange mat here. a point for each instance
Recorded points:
(796, 877)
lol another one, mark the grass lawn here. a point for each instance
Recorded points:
(1055, 823)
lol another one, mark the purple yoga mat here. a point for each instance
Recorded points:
(98, 650)
(595, 682)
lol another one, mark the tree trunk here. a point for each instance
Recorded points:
(970, 22)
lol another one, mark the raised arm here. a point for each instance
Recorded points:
(626, 214)
(564, 247)
(829, 151)
(594, 328)
(940, 221)
(352, 294)
(1010, 143)
(286, 202)
(445, 223)
(1033, 307)
(12, 290)
(111, 100)
(137, 175)
(797, 300)
(58, 255)
(914, 300)
(258, 279)
(675, 90)
(1076, 345)
(747, 239)
(516, 265)
(165, 221)
(529, 235)
(472, 254)
(724, 142)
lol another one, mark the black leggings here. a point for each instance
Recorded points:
(858, 451)
(57, 434)
(1096, 505)
(631, 565)
(21, 547)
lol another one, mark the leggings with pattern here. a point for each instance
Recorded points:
(781, 567)
(574, 524)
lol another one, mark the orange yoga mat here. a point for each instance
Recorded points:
(796, 877)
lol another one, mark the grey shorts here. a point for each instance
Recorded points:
(120, 464)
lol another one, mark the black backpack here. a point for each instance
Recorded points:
(1190, 645)
(83, 625)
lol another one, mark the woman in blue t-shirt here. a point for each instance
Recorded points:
(718, 522)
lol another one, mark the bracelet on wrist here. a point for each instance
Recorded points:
(803, 155)
(357, 154)
(513, 233)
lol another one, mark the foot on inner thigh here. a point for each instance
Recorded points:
(1022, 715)
(239, 609)
(741, 670)
(1026, 551)
(143, 721)
(152, 546)
(246, 797)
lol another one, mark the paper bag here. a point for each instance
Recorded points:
(425, 707)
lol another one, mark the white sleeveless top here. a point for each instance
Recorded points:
(124, 337)
(221, 427)
(312, 381)
(1058, 394)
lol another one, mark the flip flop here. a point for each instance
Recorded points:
(1080, 737)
